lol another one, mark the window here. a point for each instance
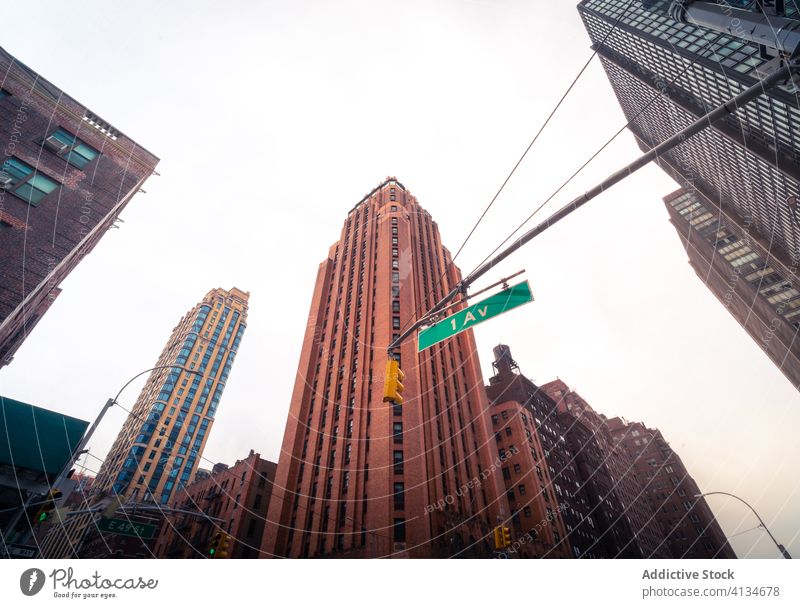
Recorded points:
(399, 530)
(395, 276)
(506, 473)
(526, 511)
(394, 207)
(517, 468)
(521, 489)
(25, 182)
(396, 322)
(396, 306)
(399, 496)
(397, 428)
(70, 148)
(397, 457)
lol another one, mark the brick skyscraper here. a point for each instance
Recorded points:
(65, 176)
(357, 477)
(540, 478)
(627, 523)
(161, 442)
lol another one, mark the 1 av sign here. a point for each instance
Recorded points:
(492, 306)
(127, 528)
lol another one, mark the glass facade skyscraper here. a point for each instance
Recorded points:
(742, 276)
(161, 442)
(749, 163)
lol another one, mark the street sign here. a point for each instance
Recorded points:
(514, 296)
(24, 551)
(127, 528)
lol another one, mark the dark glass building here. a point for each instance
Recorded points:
(747, 164)
(754, 287)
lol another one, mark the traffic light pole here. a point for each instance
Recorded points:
(780, 75)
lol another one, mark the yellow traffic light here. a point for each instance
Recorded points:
(392, 386)
(498, 538)
(502, 537)
(113, 506)
(224, 547)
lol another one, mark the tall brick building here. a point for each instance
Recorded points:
(233, 500)
(627, 524)
(548, 509)
(689, 527)
(65, 176)
(359, 477)
(160, 444)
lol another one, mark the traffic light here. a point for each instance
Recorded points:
(47, 506)
(506, 536)
(112, 506)
(213, 547)
(502, 537)
(392, 385)
(224, 547)
(220, 546)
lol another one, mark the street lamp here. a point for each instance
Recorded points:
(781, 548)
(80, 448)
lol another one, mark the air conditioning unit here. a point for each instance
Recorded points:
(56, 144)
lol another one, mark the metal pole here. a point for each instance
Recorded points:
(79, 449)
(781, 548)
(729, 107)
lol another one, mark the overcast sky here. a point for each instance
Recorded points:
(272, 119)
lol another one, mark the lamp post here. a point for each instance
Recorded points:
(781, 548)
(80, 448)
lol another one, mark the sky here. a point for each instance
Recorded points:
(272, 119)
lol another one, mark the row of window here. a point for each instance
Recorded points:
(32, 185)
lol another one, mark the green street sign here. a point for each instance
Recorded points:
(127, 528)
(514, 296)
